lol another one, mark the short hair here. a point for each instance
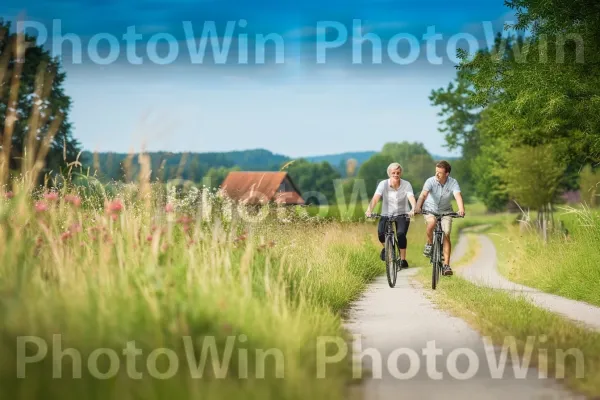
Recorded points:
(393, 166)
(444, 164)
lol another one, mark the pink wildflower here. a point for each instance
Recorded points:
(74, 199)
(75, 227)
(41, 206)
(51, 196)
(114, 206)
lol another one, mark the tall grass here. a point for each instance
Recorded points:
(101, 278)
(87, 274)
(567, 265)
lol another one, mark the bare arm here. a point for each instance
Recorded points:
(459, 201)
(422, 198)
(372, 204)
(413, 205)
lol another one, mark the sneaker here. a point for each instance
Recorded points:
(403, 264)
(427, 250)
(446, 270)
(382, 255)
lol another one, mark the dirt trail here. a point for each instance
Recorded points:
(483, 271)
(395, 324)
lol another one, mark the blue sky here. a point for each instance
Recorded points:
(310, 95)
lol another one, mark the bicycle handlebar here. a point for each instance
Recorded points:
(373, 215)
(439, 215)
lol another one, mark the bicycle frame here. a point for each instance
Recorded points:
(391, 243)
(437, 258)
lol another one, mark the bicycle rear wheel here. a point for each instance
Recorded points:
(390, 261)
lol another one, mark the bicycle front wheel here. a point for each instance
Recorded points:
(390, 261)
(436, 264)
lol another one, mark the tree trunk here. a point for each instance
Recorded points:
(552, 220)
(545, 224)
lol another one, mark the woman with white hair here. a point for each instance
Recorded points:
(396, 194)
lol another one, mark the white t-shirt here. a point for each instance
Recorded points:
(395, 201)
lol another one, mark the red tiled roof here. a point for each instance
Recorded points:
(257, 187)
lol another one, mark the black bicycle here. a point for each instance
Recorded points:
(436, 257)
(392, 252)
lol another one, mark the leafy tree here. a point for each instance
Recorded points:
(374, 170)
(532, 176)
(41, 83)
(256, 160)
(548, 85)
(417, 163)
(538, 92)
(188, 166)
(215, 176)
(459, 126)
(402, 151)
(488, 183)
(460, 115)
(590, 185)
(314, 177)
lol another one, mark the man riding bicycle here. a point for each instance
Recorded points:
(396, 193)
(436, 196)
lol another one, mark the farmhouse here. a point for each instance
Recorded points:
(261, 187)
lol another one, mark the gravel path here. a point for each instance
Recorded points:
(483, 271)
(393, 328)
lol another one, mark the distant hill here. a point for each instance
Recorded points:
(360, 156)
(194, 166)
(447, 158)
(336, 159)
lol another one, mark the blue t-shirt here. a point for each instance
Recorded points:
(440, 196)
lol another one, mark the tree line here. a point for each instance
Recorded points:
(525, 113)
(211, 169)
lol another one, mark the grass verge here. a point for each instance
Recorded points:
(500, 315)
(566, 265)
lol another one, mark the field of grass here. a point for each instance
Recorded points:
(134, 294)
(567, 265)
(137, 275)
(334, 212)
